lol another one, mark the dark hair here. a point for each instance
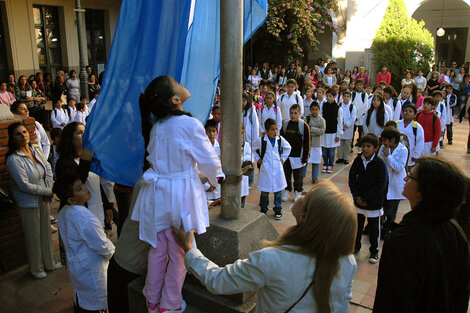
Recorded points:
(291, 82)
(15, 105)
(360, 81)
(347, 92)
(331, 91)
(66, 147)
(156, 100)
(429, 100)
(211, 124)
(436, 92)
(442, 187)
(390, 90)
(249, 103)
(268, 123)
(380, 114)
(412, 107)
(70, 99)
(56, 132)
(295, 106)
(80, 106)
(390, 133)
(63, 186)
(314, 104)
(215, 107)
(391, 124)
(370, 138)
(450, 85)
(12, 146)
(72, 71)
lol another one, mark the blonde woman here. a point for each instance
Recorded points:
(318, 274)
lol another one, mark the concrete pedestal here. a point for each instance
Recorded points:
(224, 242)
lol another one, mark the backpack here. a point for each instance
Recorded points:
(263, 148)
(363, 96)
(406, 142)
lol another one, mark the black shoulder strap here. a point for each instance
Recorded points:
(350, 107)
(395, 101)
(301, 297)
(263, 148)
(308, 119)
(279, 146)
(363, 96)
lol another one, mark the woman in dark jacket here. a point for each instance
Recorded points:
(425, 264)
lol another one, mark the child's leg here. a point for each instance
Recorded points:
(277, 202)
(156, 267)
(324, 152)
(374, 233)
(345, 143)
(251, 177)
(175, 274)
(450, 132)
(298, 180)
(242, 202)
(360, 226)
(315, 170)
(390, 208)
(288, 174)
(264, 201)
(304, 171)
(331, 156)
(341, 150)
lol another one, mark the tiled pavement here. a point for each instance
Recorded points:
(20, 293)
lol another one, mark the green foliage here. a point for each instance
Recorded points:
(294, 23)
(402, 43)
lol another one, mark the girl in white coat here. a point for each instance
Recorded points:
(88, 249)
(395, 156)
(178, 150)
(270, 152)
(269, 110)
(376, 116)
(349, 118)
(318, 274)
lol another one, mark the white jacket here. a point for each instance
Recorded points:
(271, 173)
(416, 142)
(349, 117)
(396, 167)
(88, 253)
(285, 102)
(179, 151)
(273, 112)
(276, 289)
(361, 107)
(251, 123)
(42, 139)
(58, 117)
(246, 156)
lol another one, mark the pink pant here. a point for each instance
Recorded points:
(166, 272)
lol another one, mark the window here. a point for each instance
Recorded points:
(46, 24)
(94, 21)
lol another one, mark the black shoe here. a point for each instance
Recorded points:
(278, 215)
(449, 142)
(374, 258)
(314, 181)
(339, 161)
(441, 144)
(263, 211)
(345, 162)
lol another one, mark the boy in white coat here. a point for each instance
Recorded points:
(59, 116)
(288, 99)
(81, 115)
(88, 249)
(361, 102)
(212, 192)
(349, 117)
(415, 133)
(395, 156)
(270, 151)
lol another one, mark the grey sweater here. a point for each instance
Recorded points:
(317, 129)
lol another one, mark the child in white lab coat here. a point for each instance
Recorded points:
(349, 118)
(59, 116)
(212, 192)
(88, 249)
(81, 115)
(270, 152)
(178, 151)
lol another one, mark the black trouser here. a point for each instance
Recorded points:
(361, 130)
(373, 226)
(123, 200)
(298, 181)
(78, 309)
(450, 133)
(390, 211)
(118, 279)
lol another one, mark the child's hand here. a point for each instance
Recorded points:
(282, 161)
(86, 154)
(62, 124)
(433, 150)
(386, 151)
(210, 189)
(108, 216)
(184, 239)
(260, 161)
(336, 139)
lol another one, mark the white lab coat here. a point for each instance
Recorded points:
(273, 112)
(271, 173)
(416, 142)
(442, 109)
(88, 252)
(179, 151)
(58, 117)
(42, 139)
(373, 127)
(247, 156)
(396, 111)
(251, 123)
(285, 102)
(349, 118)
(276, 290)
(80, 117)
(214, 194)
(361, 107)
(396, 167)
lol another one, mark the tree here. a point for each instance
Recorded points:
(402, 43)
(293, 24)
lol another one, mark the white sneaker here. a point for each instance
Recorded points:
(53, 229)
(40, 275)
(298, 194)
(57, 266)
(181, 310)
(285, 195)
(324, 169)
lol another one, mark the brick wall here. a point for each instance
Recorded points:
(12, 248)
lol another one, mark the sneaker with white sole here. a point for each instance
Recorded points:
(40, 275)
(152, 308)
(285, 195)
(53, 229)
(374, 258)
(329, 169)
(278, 216)
(180, 310)
(324, 169)
(298, 194)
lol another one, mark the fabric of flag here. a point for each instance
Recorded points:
(180, 38)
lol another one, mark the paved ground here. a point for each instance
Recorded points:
(22, 294)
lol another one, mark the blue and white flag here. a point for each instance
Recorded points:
(180, 38)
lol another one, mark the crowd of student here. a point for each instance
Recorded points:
(285, 127)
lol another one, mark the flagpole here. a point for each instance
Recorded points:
(231, 53)
(82, 48)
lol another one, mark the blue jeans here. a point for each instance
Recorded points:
(264, 201)
(315, 170)
(251, 177)
(242, 203)
(328, 156)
